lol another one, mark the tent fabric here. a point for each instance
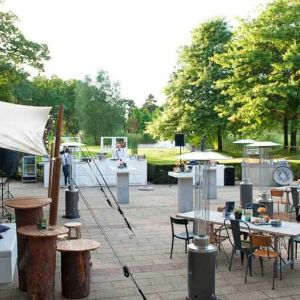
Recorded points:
(22, 127)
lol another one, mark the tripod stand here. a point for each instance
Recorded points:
(4, 195)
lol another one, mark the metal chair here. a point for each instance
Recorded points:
(235, 239)
(186, 235)
(295, 199)
(262, 247)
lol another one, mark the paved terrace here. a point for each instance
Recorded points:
(147, 254)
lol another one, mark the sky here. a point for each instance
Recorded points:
(135, 41)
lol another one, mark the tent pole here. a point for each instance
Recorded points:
(56, 170)
(50, 169)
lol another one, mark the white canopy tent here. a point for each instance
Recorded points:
(22, 127)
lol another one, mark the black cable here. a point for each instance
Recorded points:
(107, 186)
(125, 268)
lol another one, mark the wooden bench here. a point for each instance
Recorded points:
(8, 253)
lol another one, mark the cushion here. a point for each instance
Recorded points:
(3, 228)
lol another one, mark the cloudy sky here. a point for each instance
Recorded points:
(135, 41)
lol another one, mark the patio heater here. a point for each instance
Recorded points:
(72, 194)
(246, 188)
(201, 254)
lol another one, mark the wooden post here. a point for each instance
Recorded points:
(56, 170)
(50, 170)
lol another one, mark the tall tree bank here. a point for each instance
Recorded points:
(263, 85)
(191, 93)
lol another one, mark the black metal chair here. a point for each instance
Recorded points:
(236, 242)
(295, 199)
(186, 235)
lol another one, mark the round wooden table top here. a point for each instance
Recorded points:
(72, 224)
(32, 231)
(77, 245)
(27, 202)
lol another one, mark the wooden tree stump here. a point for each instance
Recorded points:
(41, 260)
(75, 274)
(75, 267)
(28, 211)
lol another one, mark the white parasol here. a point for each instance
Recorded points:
(244, 142)
(263, 144)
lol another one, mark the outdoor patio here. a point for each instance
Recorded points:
(147, 253)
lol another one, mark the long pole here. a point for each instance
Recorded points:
(50, 169)
(56, 169)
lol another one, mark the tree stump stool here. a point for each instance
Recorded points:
(41, 260)
(75, 267)
(74, 226)
(28, 211)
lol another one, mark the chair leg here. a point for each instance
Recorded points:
(289, 249)
(261, 265)
(273, 275)
(172, 246)
(248, 267)
(242, 258)
(280, 266)
(230, 264)
(296, 250)
(223, 250)
(186, 243)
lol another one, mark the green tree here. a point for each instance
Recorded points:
(264, 59)
(191, 92)
(99, 107)
(16, 52)
(150, 104)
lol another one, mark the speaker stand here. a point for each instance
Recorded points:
(4, 210)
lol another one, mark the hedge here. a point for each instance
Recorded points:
(159, 173)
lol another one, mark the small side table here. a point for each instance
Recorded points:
(41, 260)
(75, 267)
(77, 227)
(28, 210)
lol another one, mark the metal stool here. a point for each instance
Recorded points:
(74, 226)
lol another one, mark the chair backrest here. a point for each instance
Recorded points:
(179, 221)
(295, 196)
(235, 227)
(261, 240)
(276, 193)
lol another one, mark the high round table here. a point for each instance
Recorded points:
(40, 260)
(28, 211)
(75, 267)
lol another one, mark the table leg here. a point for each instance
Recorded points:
(292, 257)
(41, 268)
(25, 217)
(75, 274)
(276, 241)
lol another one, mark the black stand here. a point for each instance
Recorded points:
(4, 195)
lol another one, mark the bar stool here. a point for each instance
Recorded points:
(74, 226)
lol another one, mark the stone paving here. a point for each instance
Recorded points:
(147, 253)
